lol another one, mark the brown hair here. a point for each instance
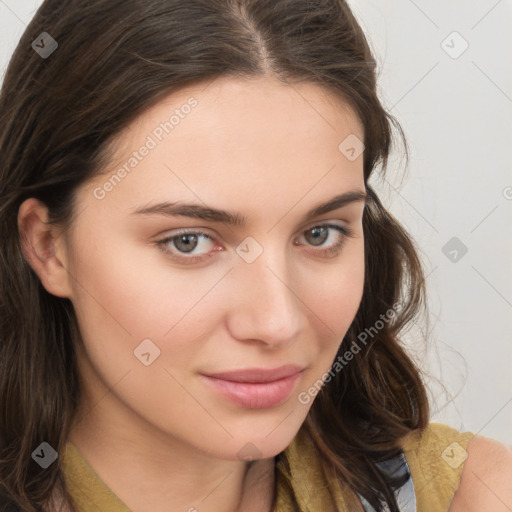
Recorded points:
(60, 114)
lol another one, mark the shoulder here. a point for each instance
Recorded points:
(486, 482)
(436, 456)
(438, 447)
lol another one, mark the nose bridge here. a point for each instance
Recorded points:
(267, 306)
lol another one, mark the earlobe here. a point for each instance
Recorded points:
(40, 245)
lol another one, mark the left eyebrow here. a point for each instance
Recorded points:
(208, 213)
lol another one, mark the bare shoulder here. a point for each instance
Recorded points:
(486, 481)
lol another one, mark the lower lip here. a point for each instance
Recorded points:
(259, 395)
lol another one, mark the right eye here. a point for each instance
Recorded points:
(186, 241)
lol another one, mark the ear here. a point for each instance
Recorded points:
(43, 247)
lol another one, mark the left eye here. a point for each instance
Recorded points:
(185, 242)
(321, 233)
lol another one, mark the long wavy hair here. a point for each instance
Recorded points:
(60, 115)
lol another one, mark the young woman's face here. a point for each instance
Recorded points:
(164, 299)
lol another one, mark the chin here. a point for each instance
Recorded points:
(249, 448)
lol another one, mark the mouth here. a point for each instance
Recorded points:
(256, 388)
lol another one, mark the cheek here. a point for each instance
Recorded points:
(124, 301)
(131, 291)
(140, 297)
(334, 298)
(337, 291)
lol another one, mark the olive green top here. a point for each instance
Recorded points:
(435, 458)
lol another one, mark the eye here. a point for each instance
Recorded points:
(186, 242)
(319, 234)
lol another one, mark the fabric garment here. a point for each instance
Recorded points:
(434, 459)
(405, 495)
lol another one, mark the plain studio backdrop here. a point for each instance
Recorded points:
(445, 72)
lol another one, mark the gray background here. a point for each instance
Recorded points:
(455, 107)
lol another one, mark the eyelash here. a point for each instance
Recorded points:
(329, 252)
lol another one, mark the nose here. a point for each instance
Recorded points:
(265, 306)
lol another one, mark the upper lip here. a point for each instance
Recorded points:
(258, 374)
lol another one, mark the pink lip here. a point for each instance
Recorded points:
(256, 388)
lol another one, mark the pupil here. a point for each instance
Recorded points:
(185, 239)
(317, 233)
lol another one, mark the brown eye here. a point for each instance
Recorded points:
(318, 235)
(182, 246)
(185, 242)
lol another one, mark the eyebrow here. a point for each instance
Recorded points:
(198, 211)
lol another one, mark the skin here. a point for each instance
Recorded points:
(175, 439)
(486, 478)
(270, 152)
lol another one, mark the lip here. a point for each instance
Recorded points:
(256, 388)
(257, 375)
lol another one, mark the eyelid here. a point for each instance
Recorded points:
(213, 236)
(332, 250)
(323, 222)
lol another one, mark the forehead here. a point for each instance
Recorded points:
(230, 139)
(236, 108)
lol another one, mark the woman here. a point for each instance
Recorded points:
(202, 296)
